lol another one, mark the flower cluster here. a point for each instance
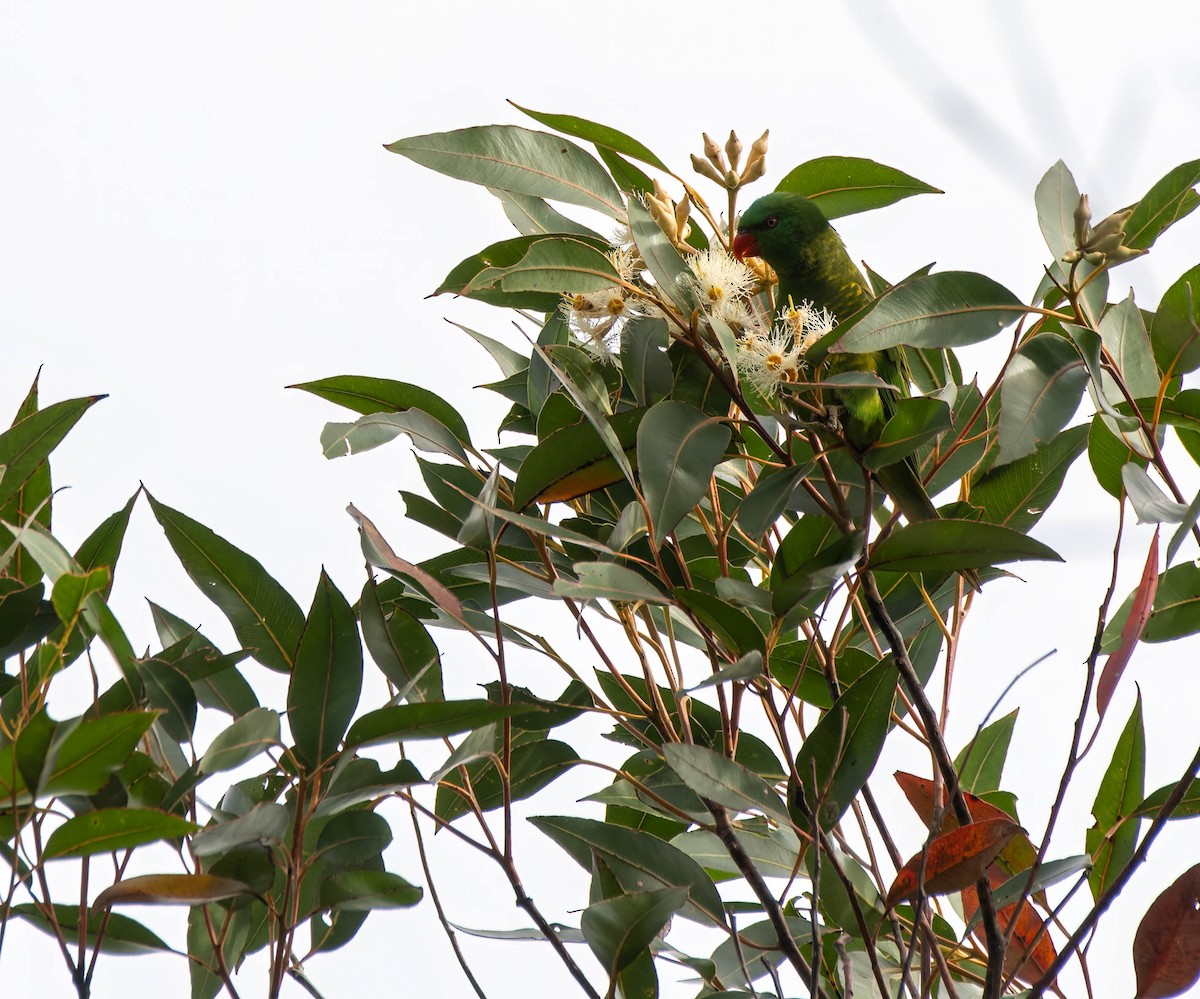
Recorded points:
(776, 357)
(595, 318)
(723, 284)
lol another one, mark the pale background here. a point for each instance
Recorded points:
(197, 211)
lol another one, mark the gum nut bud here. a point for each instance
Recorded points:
(1071, 256)
(1083, 215)
(733, 149)
(1114, 224)
(713, 152)
(702, 166)
(660, 192)
(758, 148)
(1095, 257)
(754, 170)
(1107, 243)
(1119, 254)
(731, 179)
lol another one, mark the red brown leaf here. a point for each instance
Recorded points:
(1018, 855)
(1135, 624)
(1023, 963)
(1166, 947)
(953, 860)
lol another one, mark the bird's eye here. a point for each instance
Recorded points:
(771, 222)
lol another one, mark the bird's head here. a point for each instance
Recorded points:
(776, 225)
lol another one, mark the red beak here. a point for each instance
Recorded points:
(745, 245)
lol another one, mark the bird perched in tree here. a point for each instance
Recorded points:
(791, 234)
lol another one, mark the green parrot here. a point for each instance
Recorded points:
(791, 234)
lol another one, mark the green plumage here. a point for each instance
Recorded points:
(791, 234)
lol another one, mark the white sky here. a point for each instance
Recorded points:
(197, 211)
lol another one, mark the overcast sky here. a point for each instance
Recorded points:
(197, 211)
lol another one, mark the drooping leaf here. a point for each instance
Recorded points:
(263, 615)
(915, 423)
(671, 276)
(361, 891)
(678, 448)
(401, 647)
(1030, 952)
(267, 823)
(1166, 947)
(952, 861)
(249, 735)
(590, 131)
(845, 185)
(82, 756)
(1149, 502)
(1016, 495)
(121, 935)
(1131, 631)
(533, 217)
(575, 460)
(516, 159)
(609, 581)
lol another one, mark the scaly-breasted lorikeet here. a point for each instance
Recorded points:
(791, 234)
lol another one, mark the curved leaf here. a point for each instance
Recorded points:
(1166, 947)
(367, 394)
(947, 309)
(265, 618)
(590, 131)
(109, 829)
(845, 185)
(678, 448)
(516, 159)
(951, 545)
(1175, 332)
(1040, 393)
(1171, 198)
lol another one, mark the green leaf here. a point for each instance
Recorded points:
(121, 935)
(575, 460)
(532, 766)
(981, 763)
(1113, 839)
(109, 829)
(771, 495)
(1048, 874)
(812, 555)
(644, 360)
(619, 929)
(354, 837)
(519, 160)
(916, 422)
(678, 448)
(250, 735)
(1189, 804)
(1040, 393)
(71, 590)
(1017, 494)
(266, 620)
(845, 185)
(609, 581)
(590, 131)
(327, 677)
(1149, 502)
(83, 755)
(369, 432)
(1176, 612)
(267, 823)
(367, 394)
(362, 891)
(671, 275)
(533, 217)
(733, 627)
(560, 264)
(479, 275)
(170, 691)
(28, 443)
(1175, 332)
(1108, 454)
(774, 849)
(401, 647)
(1123, 331)
(429, 721)
(1057, 197)
(1171, 198)
(749, 666)
(638, 860)
(947, 309)
(720, 779)
(951, 545)
(843, 747)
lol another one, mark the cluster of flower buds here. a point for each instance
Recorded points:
(672, 218)
(1102, 243)
(714, 166)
